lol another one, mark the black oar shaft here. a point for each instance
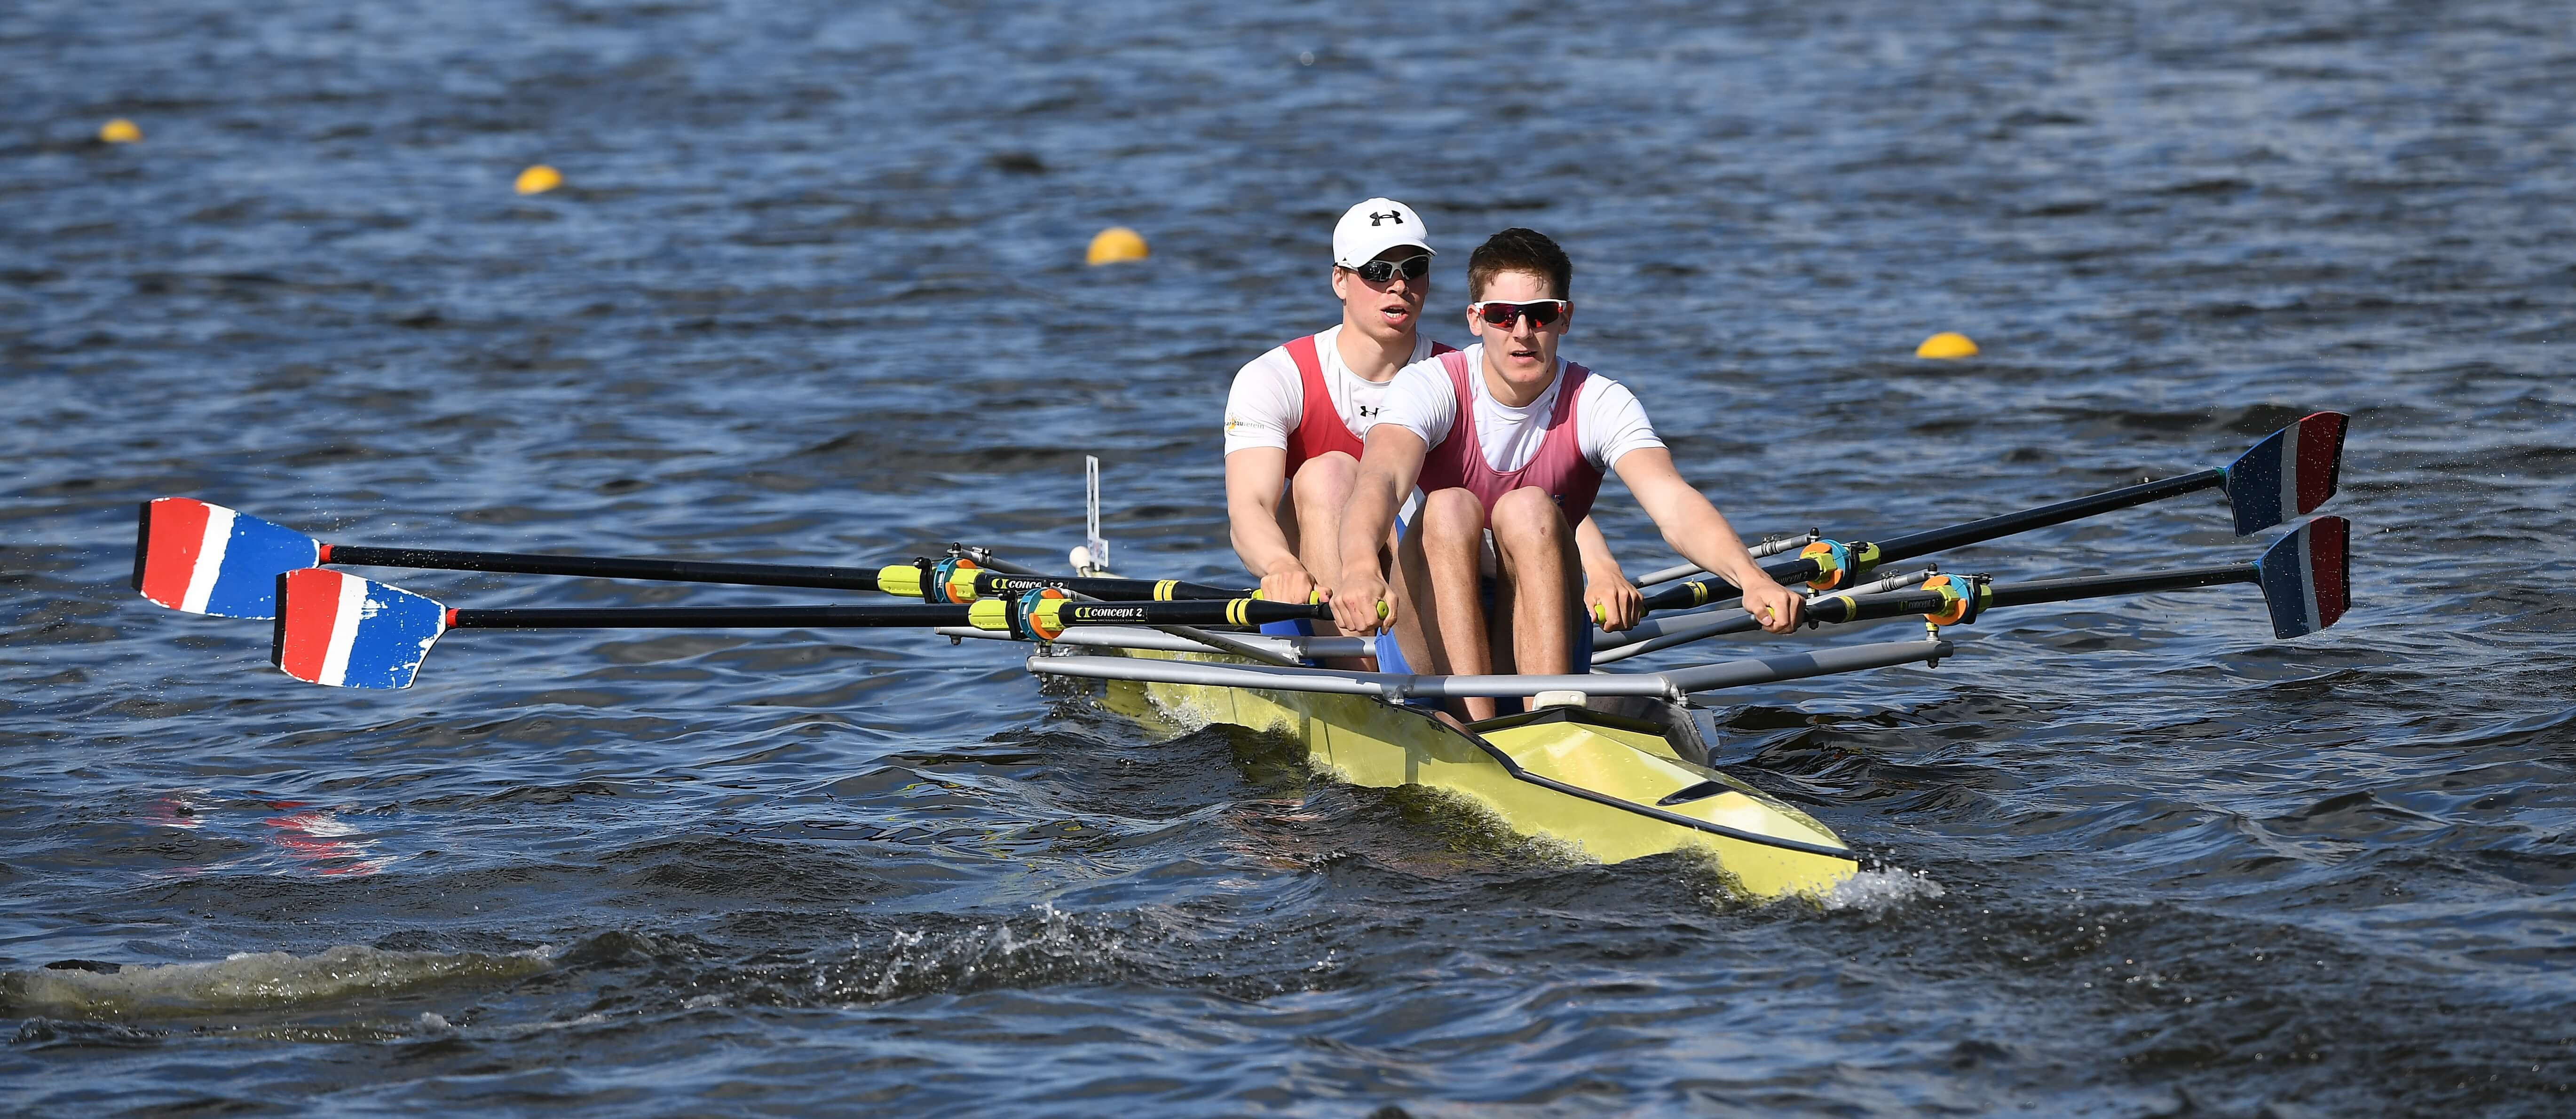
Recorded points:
(602, 567)
(1925, 543)
(987, 583)
(989, 614)
(1894, 549)
(984, 558)
(1897, 604)
(2109, 586)
(1199, 612)
(992, 584)
(712, 617)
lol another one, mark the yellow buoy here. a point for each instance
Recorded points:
(539, 179)
(119, 131)
(1946, 344)
(1115, 244)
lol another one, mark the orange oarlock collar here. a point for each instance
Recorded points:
(1035, 619)
(1833, 563)
(1958, 595)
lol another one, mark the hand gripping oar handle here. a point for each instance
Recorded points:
(338, 629)
(2290, 472)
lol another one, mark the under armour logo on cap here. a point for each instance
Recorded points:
(1373, 226)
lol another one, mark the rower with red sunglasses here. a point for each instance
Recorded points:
(1294, 416)
(1505, 445)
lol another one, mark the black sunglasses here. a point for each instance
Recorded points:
(1380, 271)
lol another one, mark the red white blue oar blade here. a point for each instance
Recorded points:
(2307, 577)
(206, 559)
(2290, 473)
(338, 629)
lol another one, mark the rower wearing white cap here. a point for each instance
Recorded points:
(1296, 416)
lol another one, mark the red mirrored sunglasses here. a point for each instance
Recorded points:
(1541, 312)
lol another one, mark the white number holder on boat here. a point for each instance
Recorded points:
(1092, 558)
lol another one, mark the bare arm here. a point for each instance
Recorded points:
(1389, 465)
(1700, 533)
(1254, 479)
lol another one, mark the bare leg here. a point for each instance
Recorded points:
(1322, 490)
(1286, 515)
(1441, 625)
(1539, 589)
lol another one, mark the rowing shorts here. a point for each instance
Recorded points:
(1391, 659)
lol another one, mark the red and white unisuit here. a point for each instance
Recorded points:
(1302, 398)
(1562, 442)
(1558, 468)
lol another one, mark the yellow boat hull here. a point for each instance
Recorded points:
(1614, 788)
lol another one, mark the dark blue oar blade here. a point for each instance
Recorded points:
(2307, 577)
(2290, 473)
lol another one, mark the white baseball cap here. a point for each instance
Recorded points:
(1373, 227)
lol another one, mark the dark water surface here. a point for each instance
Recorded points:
(814, 292)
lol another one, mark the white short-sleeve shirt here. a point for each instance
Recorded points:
(1268, 399)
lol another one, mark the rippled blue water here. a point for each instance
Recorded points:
(814, 292)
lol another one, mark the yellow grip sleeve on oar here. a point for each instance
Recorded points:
(990, 614)
(1163, 589)
(901, 580)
